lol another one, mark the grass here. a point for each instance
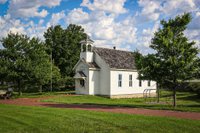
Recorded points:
(186, 101)
(21, 119)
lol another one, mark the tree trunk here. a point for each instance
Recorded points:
(19, 88)
(40, 89)
(174, 96)
(158, 92)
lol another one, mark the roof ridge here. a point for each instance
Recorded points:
(114, 49)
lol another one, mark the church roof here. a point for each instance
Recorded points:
(117, 59)
(93, 65)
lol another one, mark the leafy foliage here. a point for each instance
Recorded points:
(175, 59)
(64, 45)
(24, 60)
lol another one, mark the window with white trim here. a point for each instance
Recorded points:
(120, 80)
(149, 83)
(140, 83)
(130, 80)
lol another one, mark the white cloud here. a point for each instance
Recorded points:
(147, 34)
(77, 16)
(9, 24)
(150, 10)
(24, 8)
(110, 6)
(178, 6)
(104, 28)
(108, 22)
(56, 17)
(153, 10)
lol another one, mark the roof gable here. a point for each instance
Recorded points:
(89, 64)
(117, 59)
(80, 75)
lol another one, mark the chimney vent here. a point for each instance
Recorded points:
(114, 47)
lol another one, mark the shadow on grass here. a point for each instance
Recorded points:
(193, 97)
(147, 106)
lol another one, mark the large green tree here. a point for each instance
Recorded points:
(149, 68)
(14, 64)
(64, 46)
(24, 60)
(175, 59)
(42, 70)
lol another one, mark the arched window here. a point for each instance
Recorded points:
(84, 48)
(89, 48)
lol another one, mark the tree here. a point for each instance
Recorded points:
(65, 47)
(149, 68)
(14, 63)
(175, 58)
(41, 64)
(24, 60)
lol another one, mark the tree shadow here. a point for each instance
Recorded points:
(194, 97)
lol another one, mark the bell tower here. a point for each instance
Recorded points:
(87, 49)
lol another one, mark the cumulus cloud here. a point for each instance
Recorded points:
(178, 6)
(78, 16)
(153, 10)
(104, 28)
(110, 6)
(9, 24)
(150, 10)
(108, 22)
(147, 34)
(56, 17)
(26, 9)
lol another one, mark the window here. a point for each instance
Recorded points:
(82, 83)
(149, 83)
(119, 80)
(140, 83)
(84, 48)
(130, 80)
(89, 48)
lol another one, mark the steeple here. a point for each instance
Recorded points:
(86, 45)
(87, 49)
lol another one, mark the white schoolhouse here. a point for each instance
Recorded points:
(108, 72)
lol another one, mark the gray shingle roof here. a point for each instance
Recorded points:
(116, 58)
(91, 64)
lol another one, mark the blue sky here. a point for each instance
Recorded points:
(126, 24)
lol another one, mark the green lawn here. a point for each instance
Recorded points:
(19, 119)
(186, 101)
